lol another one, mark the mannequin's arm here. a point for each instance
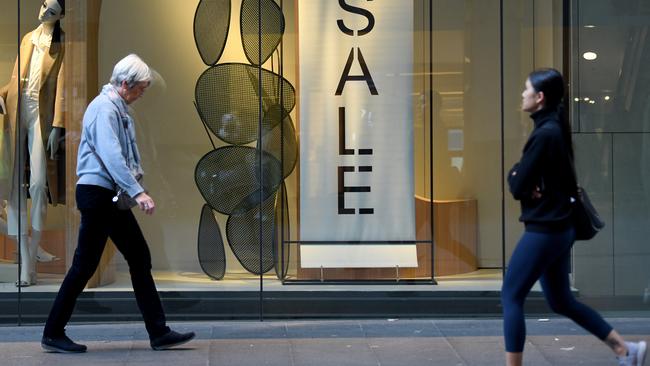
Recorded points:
(59, 107)
(58, 124)
(53, 141)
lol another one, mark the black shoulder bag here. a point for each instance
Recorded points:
(586, 221)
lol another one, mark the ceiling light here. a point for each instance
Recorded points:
(592, 102)
(586, 99)
(590, 26)
(576, 99)
(607, 97)
(590, 56)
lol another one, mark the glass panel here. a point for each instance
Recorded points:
(281, 142)
(362, 79)
(517, 63)
(610, 57)
(593, 266)
(41, 145)
(532, 39)
(203, 178)
(393, 104)
(9, 41)
(467, 146)
(35, 168)
(32, 152)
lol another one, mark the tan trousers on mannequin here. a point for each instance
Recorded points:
(30, 134)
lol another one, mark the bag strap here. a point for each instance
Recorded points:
(574, 174)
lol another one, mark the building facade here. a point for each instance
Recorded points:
(298, 151)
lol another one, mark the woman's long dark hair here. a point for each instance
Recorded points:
(56, 35)
(551, 83)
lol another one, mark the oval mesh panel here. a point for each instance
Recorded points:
(243, 233)
(280, 250)
(272, 29)
(281, 142)
(228, 178)
(212, 256)
(211, 24)
(228, 101)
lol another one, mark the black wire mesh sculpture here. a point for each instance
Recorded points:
(211, 251)
(281, 230)
(272, 29)
(228, 99)
(211, 23)
(246, 183)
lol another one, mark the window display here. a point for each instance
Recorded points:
(35, 121)
(293, 142)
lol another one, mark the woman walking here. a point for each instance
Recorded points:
(544, 182)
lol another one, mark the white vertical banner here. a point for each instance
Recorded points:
(356, 132)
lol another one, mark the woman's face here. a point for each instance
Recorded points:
(50, 12)
(531, 99)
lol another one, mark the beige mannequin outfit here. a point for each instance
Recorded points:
(41, 109)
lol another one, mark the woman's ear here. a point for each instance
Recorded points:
(540, 98)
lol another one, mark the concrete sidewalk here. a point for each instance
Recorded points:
(402, 342)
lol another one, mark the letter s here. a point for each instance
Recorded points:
(356, 10)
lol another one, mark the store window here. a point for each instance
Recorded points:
(33, 150)
(289, 143)
(374, 118)
(609, 53)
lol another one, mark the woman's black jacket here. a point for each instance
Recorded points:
(545, 166)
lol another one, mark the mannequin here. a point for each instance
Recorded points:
(31, 135)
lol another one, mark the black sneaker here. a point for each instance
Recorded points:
(61, 344)
(171, 339)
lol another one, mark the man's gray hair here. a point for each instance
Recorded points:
(132, 70)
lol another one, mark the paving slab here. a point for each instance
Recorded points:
(379, 342)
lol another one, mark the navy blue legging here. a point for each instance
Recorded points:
(543, 256)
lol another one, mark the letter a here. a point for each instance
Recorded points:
(365, 77)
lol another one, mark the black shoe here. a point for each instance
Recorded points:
(170, 340)
(61, 344)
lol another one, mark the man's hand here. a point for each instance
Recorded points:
(145, 203)
(53, 141)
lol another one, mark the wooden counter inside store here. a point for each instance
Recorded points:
(52, 241)
(455, 240)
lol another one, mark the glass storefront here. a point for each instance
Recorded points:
(299, 149)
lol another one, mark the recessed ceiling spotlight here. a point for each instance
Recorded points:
(607, 97)
(576, 99)
(590, 26)
(592, 102)
(586, 99)
(590, 56)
